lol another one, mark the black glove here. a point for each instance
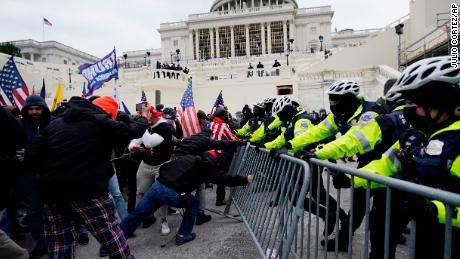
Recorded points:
(275, 153)
(340, 180)
(242, 142)
(306, 155)
(258, 146)
(417, 207)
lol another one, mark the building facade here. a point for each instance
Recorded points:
(244, 28)
(53, 52)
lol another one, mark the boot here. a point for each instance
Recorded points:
(343, 239)
(202, 218)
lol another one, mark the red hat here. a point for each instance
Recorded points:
(108, 104)
(154, 113)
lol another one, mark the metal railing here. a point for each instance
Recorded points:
(284, 220)
(272, 206)
(430, 41)
(326, 198)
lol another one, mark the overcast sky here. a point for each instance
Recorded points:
(95, 26)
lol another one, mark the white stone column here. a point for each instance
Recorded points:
(232, 40)
(248, 45)
(190, 45)
(197, 44)
(285, 36)
(217, 43)
(292, 33)
(269, 35)
(262, 36)
(211, 35)
(252, 6)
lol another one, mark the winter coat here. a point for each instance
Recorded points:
(10, 138)
(75, 151)
(201, 142)
(32, 128)
(185, 173)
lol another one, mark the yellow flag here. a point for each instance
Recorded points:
(58, 97)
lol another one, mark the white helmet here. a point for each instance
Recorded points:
(343, 87)
(392, 97)
(260, 105)
(269, 100)
(427, 70)
(280, 103)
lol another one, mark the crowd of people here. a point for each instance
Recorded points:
(260, 65)
(172, 66)
(89, 168)
(70, 170)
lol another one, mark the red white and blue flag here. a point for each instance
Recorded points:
(218, 104)
(13, 89)
(143, 97)
(189, 120)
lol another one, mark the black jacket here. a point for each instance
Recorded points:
(201, 142)
(10, 138)
(75, 151)
(32, 128)
(185, 173)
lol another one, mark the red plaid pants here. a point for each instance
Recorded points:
(98, 215)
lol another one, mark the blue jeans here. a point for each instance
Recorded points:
(114, 189)
(157, 196)
(29, 186)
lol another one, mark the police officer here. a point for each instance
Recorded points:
(428, 154)
(271, 127)
(367, 141)
(296, 119)
(347, 109)
(254, 123)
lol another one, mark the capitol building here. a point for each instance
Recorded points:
(223, 47)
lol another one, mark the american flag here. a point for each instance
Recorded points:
(13, 90)
(218, 104)
(143, 97)
(45, 21)
(189, 120)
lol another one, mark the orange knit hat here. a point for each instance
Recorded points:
(108, 104)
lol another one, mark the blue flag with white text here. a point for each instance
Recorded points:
(100, 72)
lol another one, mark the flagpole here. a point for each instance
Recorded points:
(43, 24)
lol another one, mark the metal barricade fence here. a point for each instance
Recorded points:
(284, 220)
(322, 197)
(272, 207)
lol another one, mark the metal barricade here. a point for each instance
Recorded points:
(272, 207)
(322, 197)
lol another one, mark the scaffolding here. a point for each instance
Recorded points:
(277, 37)
(225, 41)
(204, 44)
(255, 41)
(240, 40)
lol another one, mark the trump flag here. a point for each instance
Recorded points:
(100, 72)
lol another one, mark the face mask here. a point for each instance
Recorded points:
(287, 113)
(419, 122)
(343, 107)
